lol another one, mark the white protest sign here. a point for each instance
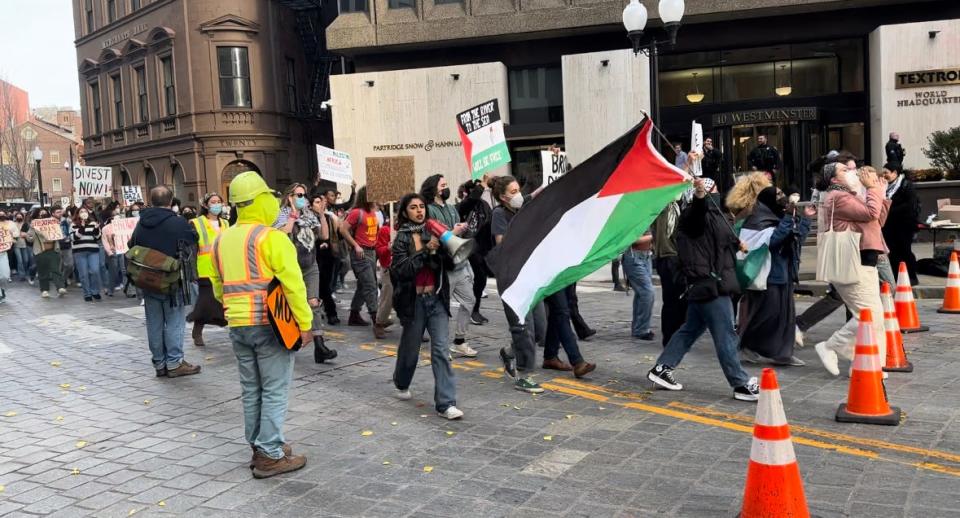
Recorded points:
(93, 181)
(49, 228)
(64, 201)
(554, 165)
(696, 144)
(119, 232)
(131, 194)
(334, 165)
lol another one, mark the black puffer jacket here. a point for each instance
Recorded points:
(707, 248)
(407, 261)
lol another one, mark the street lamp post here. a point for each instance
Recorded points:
(38, 158)
(635, 21)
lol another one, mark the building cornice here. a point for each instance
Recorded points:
(120, 22)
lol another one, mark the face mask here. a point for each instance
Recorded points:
(300, 203)
(83, 216)
(445, 194)
(216, 209)
(135, 213)
(516, 202)
(175, 209)
(188, 215)
(852, 181)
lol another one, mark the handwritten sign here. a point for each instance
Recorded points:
(696, 144)
(334, 165)
(554, 165)
(281, 318)
(131, 194)
(49, 228)
(92, 181)
(389, 178)
(118, 233)
(6, 238)
(484, 143)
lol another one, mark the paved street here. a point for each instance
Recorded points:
(86, 428)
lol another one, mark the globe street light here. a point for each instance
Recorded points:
(38, 158)
(635, 21)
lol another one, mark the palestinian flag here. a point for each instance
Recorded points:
(585, 219)
(753, 267)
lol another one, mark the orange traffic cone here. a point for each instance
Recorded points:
(867, 398)
(773, 477)
(896, 356)
(951, 297)
(906, 305)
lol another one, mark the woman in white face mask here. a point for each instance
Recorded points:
(209, 225)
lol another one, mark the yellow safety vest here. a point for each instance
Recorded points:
(244, 273)
(208, 234)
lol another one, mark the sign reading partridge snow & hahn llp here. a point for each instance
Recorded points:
(484, 143)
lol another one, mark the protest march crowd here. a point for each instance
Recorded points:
(263, 263)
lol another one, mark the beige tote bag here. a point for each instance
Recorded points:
(838, 254)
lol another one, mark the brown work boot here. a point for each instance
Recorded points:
(556, 364)
(185, 369)
(356, 320)
(379, 331)
(287, 451)
(264, 467)
(583, 368)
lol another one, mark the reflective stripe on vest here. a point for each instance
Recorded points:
(205, 245)
(250, 290)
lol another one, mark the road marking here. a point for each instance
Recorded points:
(78, 331)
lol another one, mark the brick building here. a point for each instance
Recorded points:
(58, 145)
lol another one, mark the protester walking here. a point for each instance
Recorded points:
(86, 253)
(901, 227)
(26, 268)
(47, 254)
(638, 267)
(112, 248)
(328, 254)
(672, 284)
(422, 300)
(359, 229)
(707, 246)
(475, 212)
(66, 244)
(384, 259)
(9, 232)
(560, 333)
(207, 310)
(246, 258)
(162, 231)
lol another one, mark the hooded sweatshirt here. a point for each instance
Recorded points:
(162, 230)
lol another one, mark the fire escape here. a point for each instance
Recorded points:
(310, 29)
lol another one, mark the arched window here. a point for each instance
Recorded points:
(178, 189)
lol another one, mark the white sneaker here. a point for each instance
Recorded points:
(30, 281)
(61, 292)
(403, 395)
(463, 350)
(484, 294)
(451, 413)
(828, 358)
(45, 294)
(798, 337)
(141, 302)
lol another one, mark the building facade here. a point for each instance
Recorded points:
(58, 147)
(810, 75)
(14, 105)
(189, 93)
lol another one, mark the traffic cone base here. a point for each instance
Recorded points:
(920, 329)
(949, 311)
(903, 368)
(891, 419)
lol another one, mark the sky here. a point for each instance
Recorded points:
(37, 52)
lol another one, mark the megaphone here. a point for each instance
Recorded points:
(458, 248)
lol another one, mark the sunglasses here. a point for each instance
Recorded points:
(299, 194)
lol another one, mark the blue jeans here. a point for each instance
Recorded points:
(165, 325)
(559, 330)
(4, 267)
(117, 268)
(716, 315)
(25, 264)
(638, 267)
(88, 267)
(265, 369)
(429, 314)
(104, 271)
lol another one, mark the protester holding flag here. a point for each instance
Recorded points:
(86, 252)
(769, 315)
(207, 310)
(47, 254)
(421, 295)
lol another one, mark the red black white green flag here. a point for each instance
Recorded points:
(585, 219)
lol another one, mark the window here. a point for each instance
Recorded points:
(398, 4)
(55, 158)
(97, 121)
(88, 14)
(353, 6)
(438, 2)
(134, 5)
(117, 86)
(57, 185)
(169, 90)
(111, 11)
(143, 113)
(291, 86)
(536, 95)
(234, 77)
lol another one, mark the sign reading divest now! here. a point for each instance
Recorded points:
(92, 181)
(484, 143)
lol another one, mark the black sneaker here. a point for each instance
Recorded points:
(748, 392)
(509, 364)
(477, 319)
(96, 297)
(649, 336)
(663, 376)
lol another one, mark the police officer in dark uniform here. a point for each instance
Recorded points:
(764, 157)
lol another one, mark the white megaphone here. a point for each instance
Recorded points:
(458, 248)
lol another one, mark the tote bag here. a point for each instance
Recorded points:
(838, 255)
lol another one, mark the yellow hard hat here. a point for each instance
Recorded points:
(246, 186)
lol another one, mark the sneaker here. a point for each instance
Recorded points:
(509, 364)
(141, 302)
(403, 395)
(264, 467)
(798, 337)
(649, 336)
(451, 413)
(663, 376)
(792, 362)
(589, 333)
(45, 294)
(828, 358)
(528, 386)
(484, 294)
(90, 299)
(619, 287)
(748, 356)
(748, 392)
(61, 292)
(463, 350)
(96, 297)
(477, 319)
(185, 369)
(30, 282)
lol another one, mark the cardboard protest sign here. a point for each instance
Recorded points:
(49, 228)
(93, 182)
(334, 165)
(554, 165)
(6, 238)
(131, 194)
(484, 143)
(389, 178)
(118, 233)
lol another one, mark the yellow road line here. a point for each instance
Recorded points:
(574, 392)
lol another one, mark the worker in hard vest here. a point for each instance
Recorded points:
(246, 257)
(207, 309)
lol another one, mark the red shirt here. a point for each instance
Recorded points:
(384, 253)
(425, 278)
(365, 226)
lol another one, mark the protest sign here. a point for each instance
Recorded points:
(389, 178)
(131, 194)
(334, 165)
(118, 233)
(49, 228)
(696, 144)
(554, 165)
(6, 237)
(64, 201)
(93, 182)
(484, 143)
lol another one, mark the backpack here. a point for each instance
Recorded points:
(152, 270)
